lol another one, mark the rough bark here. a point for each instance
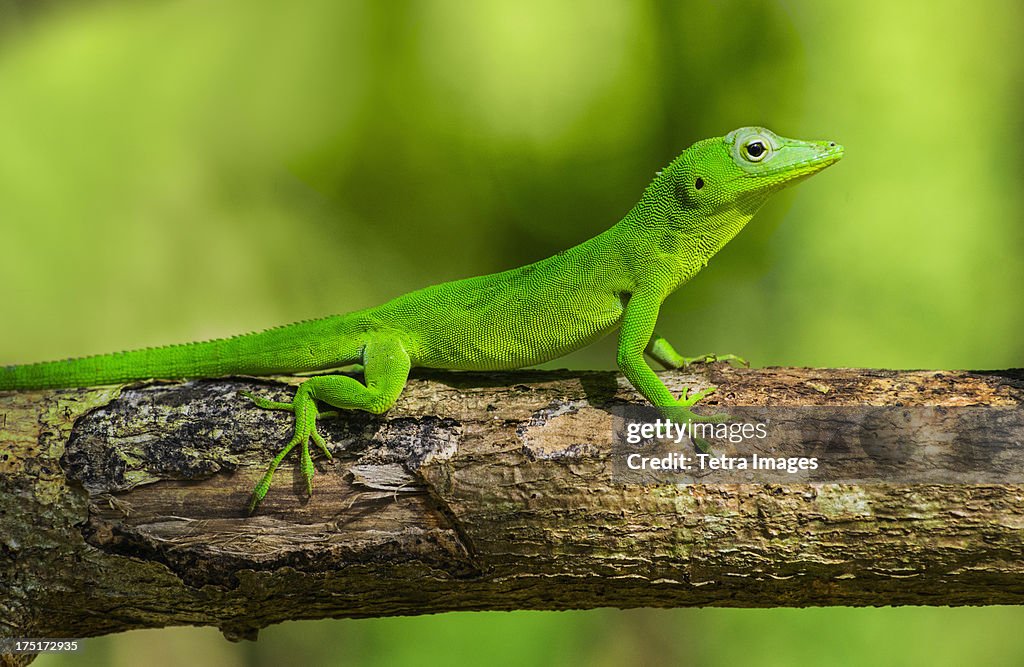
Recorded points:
(124, 508)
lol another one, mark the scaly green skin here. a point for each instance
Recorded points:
(506, 320)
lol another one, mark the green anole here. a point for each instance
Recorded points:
(506, 320)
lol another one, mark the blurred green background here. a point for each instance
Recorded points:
(172, 171)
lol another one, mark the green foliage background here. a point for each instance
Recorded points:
(172, 171)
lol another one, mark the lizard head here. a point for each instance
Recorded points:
(742, 169)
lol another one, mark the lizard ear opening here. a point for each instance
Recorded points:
(686, 190)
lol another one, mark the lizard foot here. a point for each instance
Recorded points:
(306, 414)
(681, 412)
(712, 358)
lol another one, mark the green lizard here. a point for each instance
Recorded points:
(506, 320)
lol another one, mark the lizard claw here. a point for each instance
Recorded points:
(688, 399)
(266, 403)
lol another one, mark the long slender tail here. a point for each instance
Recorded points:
(304, 346)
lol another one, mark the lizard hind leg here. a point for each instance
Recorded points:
(386, 369)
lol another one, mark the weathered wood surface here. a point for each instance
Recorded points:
(124, 508)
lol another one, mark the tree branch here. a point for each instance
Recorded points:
(124, 508)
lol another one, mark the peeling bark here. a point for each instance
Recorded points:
(124, 507)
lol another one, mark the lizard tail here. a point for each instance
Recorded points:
(304, 346)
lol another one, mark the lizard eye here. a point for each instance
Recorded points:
(755, 150)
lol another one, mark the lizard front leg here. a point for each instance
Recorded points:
(662, 351)
(635, 334)
(386, 369)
